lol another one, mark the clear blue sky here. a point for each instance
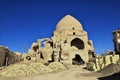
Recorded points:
(22, 22)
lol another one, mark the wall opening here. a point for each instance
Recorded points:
(41, 55)
(7, 59)
(73, 33)
(78, 43)
(42, 43)
(65, 41)
(28, 58)
(51, 43)
(52, 58)
(77, 60)
(119, 47)
(36, 47)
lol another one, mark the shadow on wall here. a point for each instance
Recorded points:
(115, 76)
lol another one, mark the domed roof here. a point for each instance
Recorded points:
(68, 22)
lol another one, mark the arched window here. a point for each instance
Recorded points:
(73, 33)
(78, 43)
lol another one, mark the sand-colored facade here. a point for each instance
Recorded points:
(68, 40)
(8, 57)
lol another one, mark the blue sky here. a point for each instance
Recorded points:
(22, 22)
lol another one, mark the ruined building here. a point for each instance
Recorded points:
(111, 57)
(116, 40)
(69, 43)
(7, 57)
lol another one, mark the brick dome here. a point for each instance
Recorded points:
(68, 23)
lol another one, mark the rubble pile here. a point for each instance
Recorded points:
(56, 66)
(30, 69)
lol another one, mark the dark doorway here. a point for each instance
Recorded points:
(119, 47)
(78, 43)
(7, 59)
(41, 55)
(77, 60)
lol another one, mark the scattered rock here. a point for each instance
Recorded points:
(24, 69)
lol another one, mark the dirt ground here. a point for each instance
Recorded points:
(73, 73)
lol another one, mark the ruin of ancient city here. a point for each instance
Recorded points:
(70, 53)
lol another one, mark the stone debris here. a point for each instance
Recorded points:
(56, 66)
(26, 69)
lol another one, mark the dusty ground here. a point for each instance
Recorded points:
(74, 73)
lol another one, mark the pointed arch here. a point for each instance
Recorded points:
(78, 43)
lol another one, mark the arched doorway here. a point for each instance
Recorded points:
(78, 43)
(77, 60)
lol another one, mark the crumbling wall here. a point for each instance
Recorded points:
(2, 57)
(41, 53)
(116, 40)
(99, 63)
(7, 57)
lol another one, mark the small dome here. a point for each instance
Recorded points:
(68, 22)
